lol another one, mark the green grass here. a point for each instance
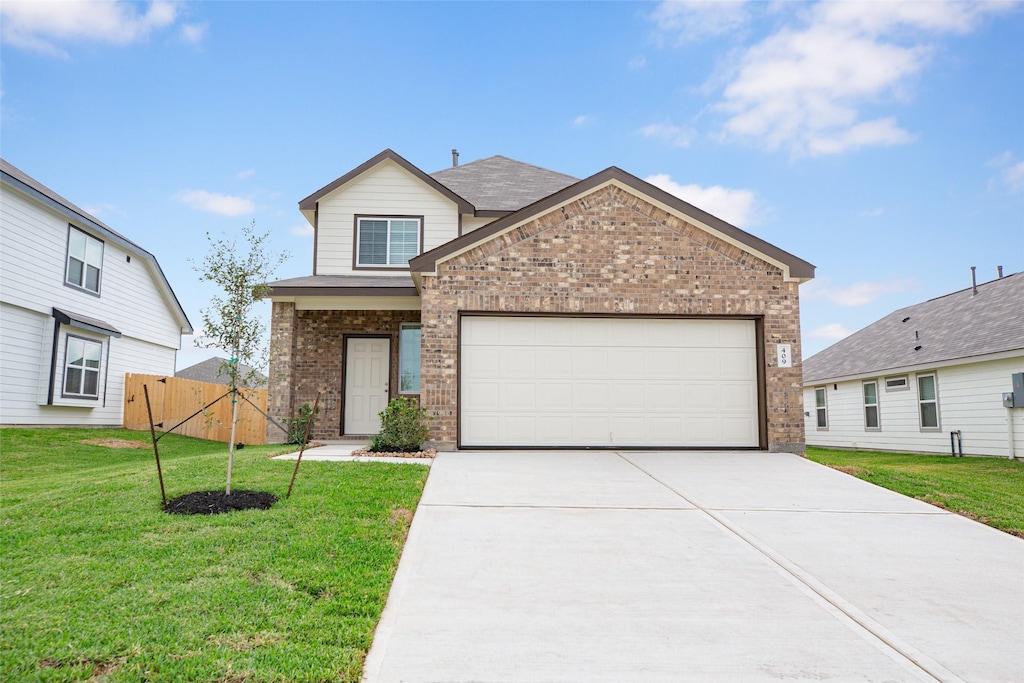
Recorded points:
(98, 583)
(990, 490)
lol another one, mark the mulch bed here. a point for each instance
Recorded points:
(216, 502)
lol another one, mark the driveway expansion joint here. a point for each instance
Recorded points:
(844, 611)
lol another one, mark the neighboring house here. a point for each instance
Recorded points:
(80, 306)
(210, 370)
(906, 381)
(526, 308)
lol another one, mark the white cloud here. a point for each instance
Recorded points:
(857, 294)
(302, 230)
(246, 174)
(194, 33)
(1011, 174)
(637, 62)
(40, 26)
(873, 213)
(805, 87)
(101, 210)
(216, 203)
(738, 207)
(582, 120)
(693, 20)
(677, 136)
(833, 331)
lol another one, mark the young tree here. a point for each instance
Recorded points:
(242, 272)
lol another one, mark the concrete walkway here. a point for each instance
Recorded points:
(736, 566)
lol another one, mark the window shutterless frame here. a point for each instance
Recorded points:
(81, 377)
(386, 242)
(83, 268)
(409, 337)
(821, 407)
(928, 402)
(871, 417)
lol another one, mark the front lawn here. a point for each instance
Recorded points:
(990, 490)
(98, 583)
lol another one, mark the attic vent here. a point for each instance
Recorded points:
(917, 348)
(905, 319)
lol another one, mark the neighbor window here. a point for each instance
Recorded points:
(85, 260)
(871, 405)
(928, 401)
(821, 407)
(387, 242)
(409, 360)
(896, 383)
(82, 368)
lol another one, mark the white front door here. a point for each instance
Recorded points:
(367, 367)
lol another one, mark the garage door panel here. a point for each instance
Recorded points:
(538, 381)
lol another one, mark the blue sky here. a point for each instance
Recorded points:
(882, 142)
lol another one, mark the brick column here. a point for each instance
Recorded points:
(280, 390)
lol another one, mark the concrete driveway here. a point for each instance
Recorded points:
(742, 566)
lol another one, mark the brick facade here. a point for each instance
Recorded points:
(307, 355)
(610, 252)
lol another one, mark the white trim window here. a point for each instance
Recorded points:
(871, 421)
(387, 242)
(85, 260)
(897, 383)
(821, 407)
(409, 336)
(928, 401)
(82, 368)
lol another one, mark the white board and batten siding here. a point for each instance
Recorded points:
(608, 382)
(969, 399)
(387, 190)
(33, 252)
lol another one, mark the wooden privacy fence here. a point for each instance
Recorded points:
(173, 399)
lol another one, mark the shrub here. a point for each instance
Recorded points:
(297, 425)
(403, 427)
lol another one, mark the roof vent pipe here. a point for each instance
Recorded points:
(455, 158)
(974, 281)
(999, 272)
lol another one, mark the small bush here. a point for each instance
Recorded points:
(297, 425)
(403, 427)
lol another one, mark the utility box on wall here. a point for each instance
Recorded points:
(1018, 390)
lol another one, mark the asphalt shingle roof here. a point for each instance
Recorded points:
(209, 370)
(501, 184)
(958, 325)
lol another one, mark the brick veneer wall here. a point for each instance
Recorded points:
(307, 355)
(610, 252)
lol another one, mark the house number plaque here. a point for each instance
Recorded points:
(785, 356)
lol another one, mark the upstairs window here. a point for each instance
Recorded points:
(85, 260)
(82, 368)
(871, 405)
(387, 242)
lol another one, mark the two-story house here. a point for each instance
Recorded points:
(80, 306)
(527, 308)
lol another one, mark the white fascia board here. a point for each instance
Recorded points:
(907, 369)
(664, 207)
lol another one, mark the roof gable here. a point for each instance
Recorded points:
(502, 185)
(793, 267)
(20, 180)
(309, 203)
(956, 326)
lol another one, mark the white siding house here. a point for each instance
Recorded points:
(905, 382)
(80, 306)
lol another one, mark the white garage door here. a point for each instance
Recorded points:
(611, 382)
